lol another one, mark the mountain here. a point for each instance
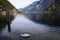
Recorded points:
(38, 6)
(31, 7)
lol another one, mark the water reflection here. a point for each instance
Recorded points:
(9, 28)
(26, 25)
(2, 25)
(22, 24)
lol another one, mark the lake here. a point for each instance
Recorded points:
(22, 24)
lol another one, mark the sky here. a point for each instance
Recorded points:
(21, 3)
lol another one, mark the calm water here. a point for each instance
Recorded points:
(21, 24)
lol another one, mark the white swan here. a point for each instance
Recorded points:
(25, 35)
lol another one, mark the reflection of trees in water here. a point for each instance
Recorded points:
(9, 28)
(2, 25)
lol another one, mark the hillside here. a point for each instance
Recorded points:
(47, 11)
(5, 8)
(7, 4)
(38, 6)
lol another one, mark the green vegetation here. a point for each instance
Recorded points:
(6, 6)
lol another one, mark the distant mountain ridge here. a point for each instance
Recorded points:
(38, 6)
(31, 7)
